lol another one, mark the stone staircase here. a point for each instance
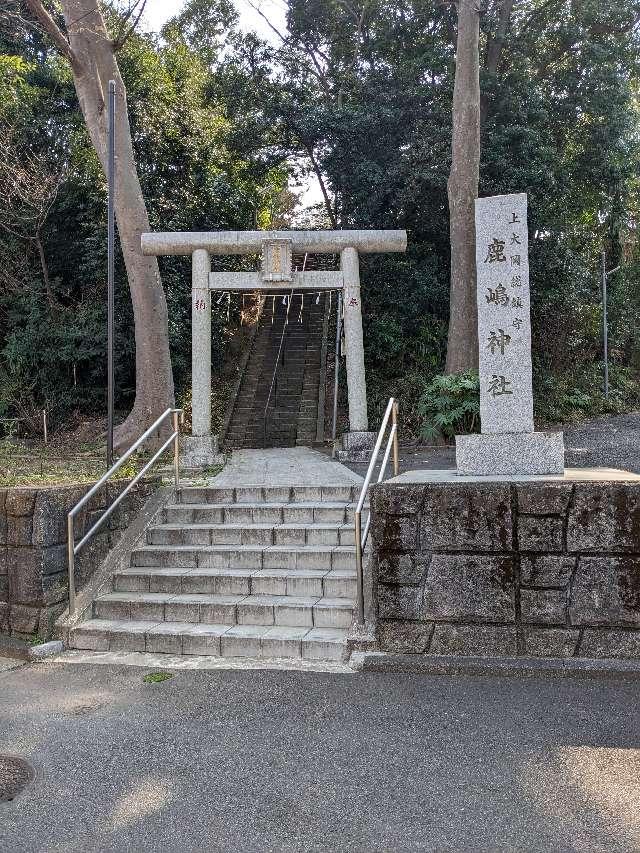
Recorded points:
(251, 571)
(293, 406)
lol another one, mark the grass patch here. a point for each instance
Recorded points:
(157, 677)
(25, 465)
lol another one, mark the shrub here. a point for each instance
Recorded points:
(450, 405)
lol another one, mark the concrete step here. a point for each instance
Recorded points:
(255, 557)
(339, 583)
(251, 534)
(269, 494)
(292, 611)
(262, 513)
(185, 638)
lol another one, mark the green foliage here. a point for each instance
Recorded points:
(572, 395)
(157, 677)
(370, 96)
(450, 405)
(53, 314)
(221, 120)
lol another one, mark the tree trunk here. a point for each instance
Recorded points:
(462, 343)
(495, 45)
(94, 63)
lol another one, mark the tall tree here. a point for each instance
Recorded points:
(462, 342)
(92, 54)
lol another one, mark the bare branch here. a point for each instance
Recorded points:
(316, 168)
(130, 11)
(264, 17)
(495, 43)
(46, 279)
(317, 71)
(628, 27)
(449, 23)
(122, 37)
(52, 29)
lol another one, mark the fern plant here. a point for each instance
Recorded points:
(450, 405)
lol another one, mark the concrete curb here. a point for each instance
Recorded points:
(45, 650)
(512, 667)
(21, 650)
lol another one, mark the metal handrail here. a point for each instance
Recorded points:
(74, 548)
(275, 370)
(361, 540)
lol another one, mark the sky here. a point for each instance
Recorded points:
(157, 12)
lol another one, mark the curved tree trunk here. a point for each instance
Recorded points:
(91, 53)
(462, 343)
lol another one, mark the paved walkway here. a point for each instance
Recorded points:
(612, 441)
(293, 761)
(283, 466)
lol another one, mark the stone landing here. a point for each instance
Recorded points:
(507, 566)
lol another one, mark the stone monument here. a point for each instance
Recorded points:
(508, 444)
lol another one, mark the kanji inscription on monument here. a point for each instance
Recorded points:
(508, 444)
(504, 326)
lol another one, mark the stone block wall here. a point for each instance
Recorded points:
(547, 569)
(34, 582)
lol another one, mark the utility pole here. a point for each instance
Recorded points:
(110, 266)
(605, 327)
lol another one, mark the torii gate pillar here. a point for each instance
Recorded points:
(353, 339)
(201, 449)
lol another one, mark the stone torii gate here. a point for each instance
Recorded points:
(276, 248)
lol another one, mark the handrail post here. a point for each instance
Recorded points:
(72, 548)
(72, 565)
(396, 455)
(359, 585)
(176, 448)
(391, 412)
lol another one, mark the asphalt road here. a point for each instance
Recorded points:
(271, 761)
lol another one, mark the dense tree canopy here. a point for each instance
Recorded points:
(357, 94)
(52, 304)
(367, 88)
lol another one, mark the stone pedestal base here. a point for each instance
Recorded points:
(356, 446)
(510, 454)
(506, 566)
(199, 451)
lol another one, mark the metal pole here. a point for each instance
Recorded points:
(359, 581)
(396, 457)
(605, 330)
(44, 426)
(71, 557)
(110, 267)
(336, 372)
(176, 449)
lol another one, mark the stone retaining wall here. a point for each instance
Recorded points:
(498, 568)
(34, 583)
